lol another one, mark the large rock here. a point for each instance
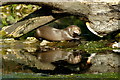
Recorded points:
(104, 18)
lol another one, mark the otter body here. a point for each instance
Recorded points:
(57, 55)
(54, 34)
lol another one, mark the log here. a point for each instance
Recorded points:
(23, 27)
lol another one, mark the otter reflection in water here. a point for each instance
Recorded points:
(53, 34)
(57, 55)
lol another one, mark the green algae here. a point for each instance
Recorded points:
(41, 75)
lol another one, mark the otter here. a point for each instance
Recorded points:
(57, 55)
(53, 34)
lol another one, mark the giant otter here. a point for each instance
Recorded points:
(53, 34)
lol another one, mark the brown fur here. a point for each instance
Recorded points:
(54, 34)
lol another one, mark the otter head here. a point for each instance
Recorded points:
(74, 30)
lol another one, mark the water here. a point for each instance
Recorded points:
(20, 57)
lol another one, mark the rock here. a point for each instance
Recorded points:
(105, 63)
(116, 45)
(104, 18)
